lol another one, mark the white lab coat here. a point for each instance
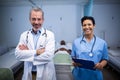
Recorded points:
(44, 62)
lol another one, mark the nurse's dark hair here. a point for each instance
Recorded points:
(88, 18)
(36, 9)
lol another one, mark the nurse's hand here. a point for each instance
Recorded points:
(98, 66)
(40, 51)
(76, 64)
(101, 65)
(23, 47)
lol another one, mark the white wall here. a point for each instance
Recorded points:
(14, 20)
(108, 23)
(61, 19)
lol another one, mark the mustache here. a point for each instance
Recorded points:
(36, 24)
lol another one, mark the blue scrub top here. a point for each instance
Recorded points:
(81, 49)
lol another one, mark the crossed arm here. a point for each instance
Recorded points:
(38, 51)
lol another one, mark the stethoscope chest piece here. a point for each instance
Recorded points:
(91, 54)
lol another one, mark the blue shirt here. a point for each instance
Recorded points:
(82, 49)
(35, 40)
(36, 37)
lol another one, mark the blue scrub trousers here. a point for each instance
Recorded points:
(86, 74)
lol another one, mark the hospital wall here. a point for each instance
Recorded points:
(108, 23)
(63, 20)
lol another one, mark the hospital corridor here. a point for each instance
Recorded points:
(59, 39)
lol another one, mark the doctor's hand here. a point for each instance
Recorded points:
(40, 51)
(23, 47)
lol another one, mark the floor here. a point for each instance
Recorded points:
(110, 74)
(64, 73)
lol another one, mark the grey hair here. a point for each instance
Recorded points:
(37, 9)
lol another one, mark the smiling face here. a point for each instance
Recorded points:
(36, 19)
(88, 27)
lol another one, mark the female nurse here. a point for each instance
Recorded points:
(89, 47)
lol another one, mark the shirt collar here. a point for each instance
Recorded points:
(84, 39)
(38, 32)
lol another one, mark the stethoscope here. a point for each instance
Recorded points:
(43, 34)
(91, 51)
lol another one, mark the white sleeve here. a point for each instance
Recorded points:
(48, 55)
(24, 55)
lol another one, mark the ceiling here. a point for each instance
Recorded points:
(43, 2)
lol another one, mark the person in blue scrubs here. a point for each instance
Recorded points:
(89, 47)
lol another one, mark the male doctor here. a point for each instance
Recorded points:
(36, 49)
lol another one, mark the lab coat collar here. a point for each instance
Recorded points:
(42, 39)
(42, 30)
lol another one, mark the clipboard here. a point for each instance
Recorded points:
(87, 64)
